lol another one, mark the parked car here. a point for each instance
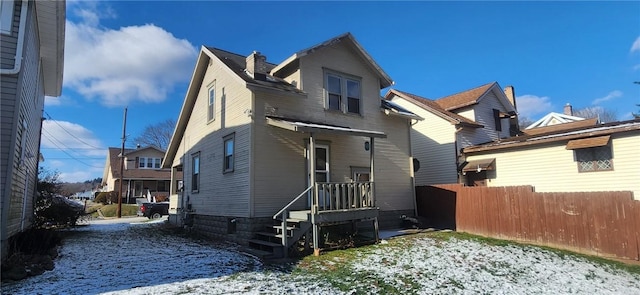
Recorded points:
(154, 210)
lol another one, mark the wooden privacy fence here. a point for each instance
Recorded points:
(598, 223)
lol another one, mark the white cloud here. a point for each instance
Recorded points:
(610, 96)
(57, 101)
(76, 176)
(532, 105)
(72, 138)
(636, 45)
(116, 67)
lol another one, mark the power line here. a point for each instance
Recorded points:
(51, 138)
(50, 118)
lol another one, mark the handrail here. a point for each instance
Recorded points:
(294, 200)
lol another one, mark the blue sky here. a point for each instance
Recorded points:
(141, 55)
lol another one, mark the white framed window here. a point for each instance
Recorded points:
(195, 172)
(149, 163)
(6, 16)
(229, 153)
(211, 108)
(594, 159)
(343, 93)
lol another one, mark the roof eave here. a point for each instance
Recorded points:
(187, 107)
(51, 17)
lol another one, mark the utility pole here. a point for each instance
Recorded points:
(124, 138)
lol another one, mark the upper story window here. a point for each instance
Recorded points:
(6, 16)
(229, 152)
(343, 93)
(211, 109)
(149, 163)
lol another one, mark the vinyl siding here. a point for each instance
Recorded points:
(552, 168)
(280, 165)
(21, 172)
(9, 43)
(484, 116)
(222, 194)
(433, 144)
(482, 113)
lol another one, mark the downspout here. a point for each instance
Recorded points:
(455, 146)
(17, 64)
(413, 176)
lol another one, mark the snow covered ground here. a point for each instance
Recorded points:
(130, 256)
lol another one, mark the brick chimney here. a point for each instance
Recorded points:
(568, 109)
(257, 66)
(511, 95)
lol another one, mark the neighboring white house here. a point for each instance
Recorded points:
(479, 115)
(32, 43)
(554, 118)
(252, 136)
(602, 157)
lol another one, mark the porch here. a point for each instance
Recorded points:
(328, 203)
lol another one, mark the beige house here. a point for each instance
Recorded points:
(32, 43)
(479, 115)
(307, 139)
(601, 157)
(143, 174)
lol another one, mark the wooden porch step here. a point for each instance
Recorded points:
(301, 215)
(265, 243)
(270, 235)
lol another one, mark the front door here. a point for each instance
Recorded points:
(322, 170)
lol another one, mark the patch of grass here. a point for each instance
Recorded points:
(560, 253)
(127, 210)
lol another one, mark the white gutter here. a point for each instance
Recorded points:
(21, 29)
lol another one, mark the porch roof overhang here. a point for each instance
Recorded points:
(310, 127)
(479, 165)
(588, 142)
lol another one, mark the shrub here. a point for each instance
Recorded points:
(57, 211)
(107, 198)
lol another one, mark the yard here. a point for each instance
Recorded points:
(134, 256)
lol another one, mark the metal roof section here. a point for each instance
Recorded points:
(479, 165)
(312, 127)
(600, 130)
(392, 108)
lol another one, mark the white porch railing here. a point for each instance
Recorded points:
(328, 196)
(343, 195)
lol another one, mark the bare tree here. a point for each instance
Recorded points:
(604, 115)
(524, 122)
(157, 135)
